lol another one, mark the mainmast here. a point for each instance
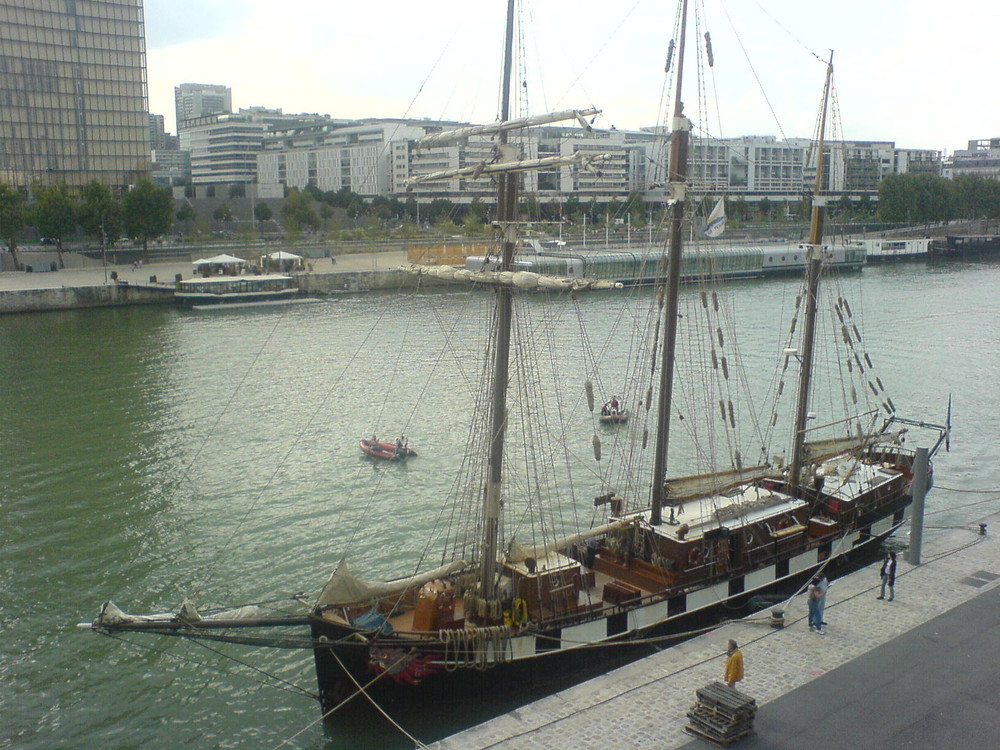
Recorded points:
(814, 256)
(507, 183)
(679, 135)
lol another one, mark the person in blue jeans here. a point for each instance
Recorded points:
(815, 595)
(822, 586)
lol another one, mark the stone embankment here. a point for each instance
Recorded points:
(93, 286)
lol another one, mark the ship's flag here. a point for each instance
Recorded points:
(716, 220)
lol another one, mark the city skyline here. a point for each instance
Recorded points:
(902, 74)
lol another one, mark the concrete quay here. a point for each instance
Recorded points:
(92, 286)
(922, 671)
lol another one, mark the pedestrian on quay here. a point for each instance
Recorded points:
(823, 586)
(815, 594)
(734, 664)
(888, 574)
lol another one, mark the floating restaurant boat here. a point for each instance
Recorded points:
(218, 290)
(509, 598)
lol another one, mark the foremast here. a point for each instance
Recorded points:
(814, 256)
(506, 214)
(679, 137)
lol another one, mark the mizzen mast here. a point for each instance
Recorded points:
(814, 255)
(679, 137)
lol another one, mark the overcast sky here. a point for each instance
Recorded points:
(914, 72)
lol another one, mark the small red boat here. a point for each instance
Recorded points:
(385, 451)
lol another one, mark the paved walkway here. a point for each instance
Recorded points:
(880, 677)
(165, 272)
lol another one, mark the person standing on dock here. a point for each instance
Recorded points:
(734, 664)
(822, 586)
(888, 574)
(815, 594)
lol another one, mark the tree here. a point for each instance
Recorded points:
(147, 212)
(262, 211)
(298, 212)
(186, 213)
(223, 213)
(11, 219)
(54, 215)
(100, 213)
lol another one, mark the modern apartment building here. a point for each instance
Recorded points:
(193, 101)
(382, 157)
(73, 105)
(982, 158)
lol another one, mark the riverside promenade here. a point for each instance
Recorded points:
(922, 671)
(92, 285)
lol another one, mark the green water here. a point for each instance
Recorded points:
(149, 454)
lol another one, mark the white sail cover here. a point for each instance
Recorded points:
(344, 588)
(519, 553)
(716, 220)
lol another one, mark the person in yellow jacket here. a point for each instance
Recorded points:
(734, 664)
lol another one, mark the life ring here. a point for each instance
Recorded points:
(519, 612)
(783, 523)
(695, 558)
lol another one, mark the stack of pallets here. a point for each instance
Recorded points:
(721, 714)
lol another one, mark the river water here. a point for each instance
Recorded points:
(148, 454)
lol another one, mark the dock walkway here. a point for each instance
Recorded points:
(922, 671)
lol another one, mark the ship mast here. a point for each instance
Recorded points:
(507, 183)
(814, 259)
(679, 136)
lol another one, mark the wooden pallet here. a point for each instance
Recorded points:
(721, 714)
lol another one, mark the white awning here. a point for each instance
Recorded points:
(219, 260)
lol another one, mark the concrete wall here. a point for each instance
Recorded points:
(70, 298)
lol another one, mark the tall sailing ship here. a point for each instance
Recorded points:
(499, 609)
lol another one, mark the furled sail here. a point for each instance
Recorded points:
(680, 489)
(520, 279)
(815, 451)
(519, 552)
(344, 588)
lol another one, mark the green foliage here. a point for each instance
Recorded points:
(100, 213)
(54, 213)
(147, 212)
(12, 215)
(440, 210)
(916, 198)
(223, 213)
(186, 213)
(262, 211)
(298, 212)
(976, 197)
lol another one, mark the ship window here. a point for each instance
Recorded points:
(824, 551)
(781, 569)
(617, 623)
(736, 586)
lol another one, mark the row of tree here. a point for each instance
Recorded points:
(924, 198)
(143, 213)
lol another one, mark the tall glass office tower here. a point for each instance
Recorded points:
(73, 104)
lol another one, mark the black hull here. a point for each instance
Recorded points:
(504, 686)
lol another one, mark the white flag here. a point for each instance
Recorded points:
(716, 220)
